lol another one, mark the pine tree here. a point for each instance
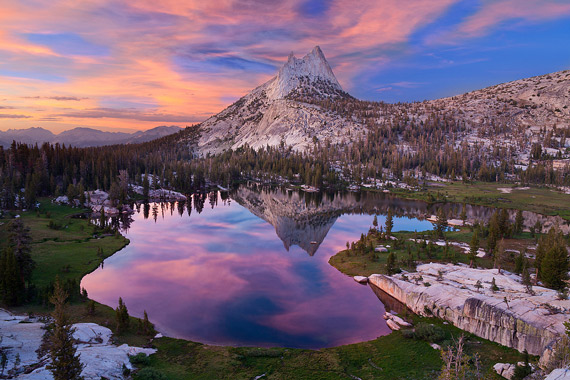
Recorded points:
(146, 327)
(538, 227)
(494, 286)
(478, 285)
(473, 248)
(90, 307)
(391, 264)
(12, 287)
(102, 219)
(82, 198)
(122, 316)
(375, 222)
(554, 265)
(20, 240)
(526, 278)
(500, 255)
(504, 225)
(3, 361)
(441, 222)
(519, 262)
(389, 223)
(463, 215)
(146, 187)
(65, 363)
(494, 233)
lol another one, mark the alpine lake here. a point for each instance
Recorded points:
(250, 267)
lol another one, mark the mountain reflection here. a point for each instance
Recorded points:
(299, 218)
(304, 219)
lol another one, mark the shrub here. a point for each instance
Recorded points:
(140, 358)
(430, 333)
(150, 374)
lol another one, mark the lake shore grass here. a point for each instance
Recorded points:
(388, 357)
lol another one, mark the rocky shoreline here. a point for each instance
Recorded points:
(464, 297)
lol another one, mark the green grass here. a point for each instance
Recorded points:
(70, 253)
(71, 259)
(541, 200)
(180, 359)
(355, 262)
(387, 357)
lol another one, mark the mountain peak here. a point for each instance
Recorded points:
(313, 68)
(317, 52)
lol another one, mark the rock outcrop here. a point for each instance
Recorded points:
(22, 336)
(506, 370)
(509, 316)
(559, 374)
(310, 72)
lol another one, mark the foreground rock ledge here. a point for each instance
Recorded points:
(523, 322)
(22, 336)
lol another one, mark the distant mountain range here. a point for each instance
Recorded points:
(83, 137)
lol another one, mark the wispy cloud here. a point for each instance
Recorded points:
(10, 116)
(493, 14)
(58, 98)
(406, 84)
(399, 85)
(132, 114)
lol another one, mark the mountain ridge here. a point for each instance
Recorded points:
(304, 105)
(82, 137)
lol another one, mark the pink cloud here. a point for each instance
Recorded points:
(494, 13)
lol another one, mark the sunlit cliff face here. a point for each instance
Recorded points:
(137, 64)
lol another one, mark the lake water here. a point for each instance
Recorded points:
(249, 269)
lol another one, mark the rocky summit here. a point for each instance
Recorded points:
(274, 112)
(310, 73)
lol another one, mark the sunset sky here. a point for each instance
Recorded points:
(137, 64)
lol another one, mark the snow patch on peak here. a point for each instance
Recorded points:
(313, 68)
